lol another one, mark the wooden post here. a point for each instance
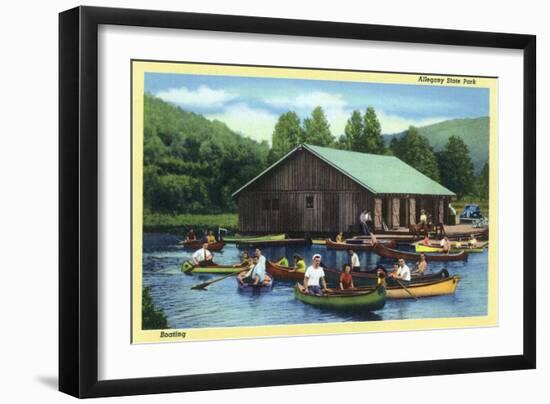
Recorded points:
(412, 211)
(377, 213)
(395, 212)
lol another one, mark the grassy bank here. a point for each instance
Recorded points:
(178, 224)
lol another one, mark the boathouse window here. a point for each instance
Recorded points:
(274, 204)
(266, 204)
(309, 202)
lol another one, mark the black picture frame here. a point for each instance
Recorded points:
(78, 200)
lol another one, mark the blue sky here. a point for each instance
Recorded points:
(251, 105)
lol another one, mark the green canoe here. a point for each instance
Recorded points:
(269, 237)
(347, 300)
(188, 268)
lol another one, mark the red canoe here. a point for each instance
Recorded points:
(283, 273)
(197, 244)
(367, 245)
(386, 252)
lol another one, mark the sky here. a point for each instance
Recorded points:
(252, 105)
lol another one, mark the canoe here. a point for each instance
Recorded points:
(445, 286)
(431, 249)
(369, 278)
(391, 253)
(268, 237)
(371, 300)
(188, 268)
(265, 287)
(272, 243)
(197, 244)
(364, 246)
(283, 273)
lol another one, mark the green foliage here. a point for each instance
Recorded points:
(191, 164)
(481, 185)
(317, 129)
(179, 224)
(455, 167)
(151, 317)
(286, 136)
(415, 150)
(374, 143)
(353, 133)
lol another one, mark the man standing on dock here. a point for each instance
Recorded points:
(354, 261)
(363, 222)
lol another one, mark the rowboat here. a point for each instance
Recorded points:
(369, 278)
(197, 244)
(237, 239)
(265, 287)
(444, 286)
(432, 249)
(391, 253)
(189, 268)
(371, 300)
(283, 273)
(366, 245)
(272, 243)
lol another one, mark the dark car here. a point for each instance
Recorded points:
(470, 213)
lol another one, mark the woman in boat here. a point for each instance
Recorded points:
(314, 278)
(426, 241)
(246, 260)
(340, 237)
(354, 261)
(211, 238)
(203, 257)
(472, 242)
(346, 280)
(299, 264)
(421, 266)
(282, 261)
(191, 236)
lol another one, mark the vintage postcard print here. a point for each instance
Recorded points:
(272, 201)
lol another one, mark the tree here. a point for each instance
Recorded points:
(286, 135)
(415, 150)
(482, 183)
(317, 129)
(353, 133)
(456, 167)
(373, 141)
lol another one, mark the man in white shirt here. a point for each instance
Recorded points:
(202, 257)
(403, 271)
(363, 222)
(355, 264)
(315, 277)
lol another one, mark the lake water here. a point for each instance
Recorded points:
(222, 306)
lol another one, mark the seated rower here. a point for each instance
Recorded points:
(203, 257)
(211, 238)
(472, 242)
(282, 261)
(246, 261)
(191, 236)
(445, 245)
(346, 280)
(340, 237)
(426, 241)
(421, 266)
(299, 264)
(256, 274)
(314, 278)
(403, 271)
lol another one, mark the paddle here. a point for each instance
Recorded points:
(406, 289)
(202, 286)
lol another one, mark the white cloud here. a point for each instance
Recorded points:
(202, 97)
(309, 101)
(255, 123)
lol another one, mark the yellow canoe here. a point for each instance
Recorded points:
(445, 286)
(419, 248)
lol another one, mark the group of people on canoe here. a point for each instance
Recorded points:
(446, 246)
(209, 236)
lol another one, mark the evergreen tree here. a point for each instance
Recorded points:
(372, 133)
(317, 129)
(456, 167)
(415, 150)
(354, 133)
(286, 135)
(482, 183)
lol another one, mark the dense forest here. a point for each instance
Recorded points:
(193, 165)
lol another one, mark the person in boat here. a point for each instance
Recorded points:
(314, 278)
(346, 280)
(282, 261)
(363, 222)
(203, 257)
(191, 236)
(261, 258)
(211, 238)
(472, 242)
(426, 241)
(256, 274)
(354, 261)
(299, 264)
(403, 272)
(445, 245)
(246, 260)
(340, 237)
(421, 266)
(369, 222)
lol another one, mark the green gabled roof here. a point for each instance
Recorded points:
(379, 174)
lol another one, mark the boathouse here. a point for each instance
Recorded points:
(322, 190)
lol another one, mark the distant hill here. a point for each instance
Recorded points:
(474, 132)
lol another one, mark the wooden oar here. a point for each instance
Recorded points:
(202, 286)
(406, 289)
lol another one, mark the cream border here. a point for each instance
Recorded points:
(139, 68)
